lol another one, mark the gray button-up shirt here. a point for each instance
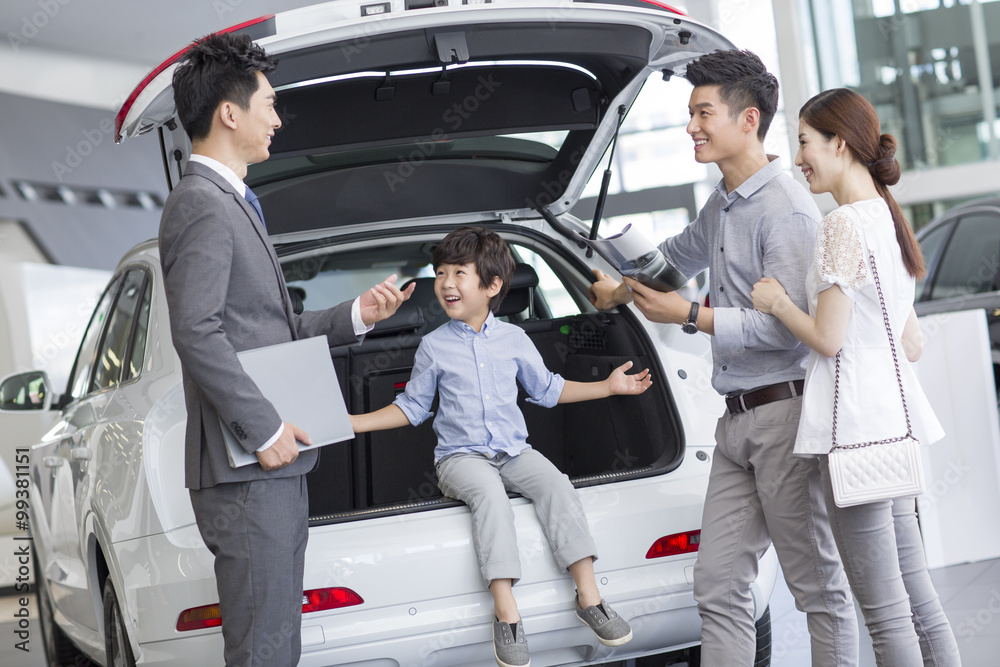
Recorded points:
(764, 228)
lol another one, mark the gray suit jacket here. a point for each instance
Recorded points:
(226, 293)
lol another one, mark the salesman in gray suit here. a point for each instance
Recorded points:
(226, 293)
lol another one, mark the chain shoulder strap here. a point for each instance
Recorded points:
(899, 377)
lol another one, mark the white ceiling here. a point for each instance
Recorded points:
(142, 32)
(93, 52)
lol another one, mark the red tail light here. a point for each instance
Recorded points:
(199, 618)
(674, 545)
(123, 112)
(319, 599)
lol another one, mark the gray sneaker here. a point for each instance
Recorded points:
(610, 628)
(510, 648)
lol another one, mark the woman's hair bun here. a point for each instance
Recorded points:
(886, 168)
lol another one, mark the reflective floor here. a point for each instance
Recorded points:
(970, 594)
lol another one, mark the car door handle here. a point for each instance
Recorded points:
(53, 461)
(80, 453)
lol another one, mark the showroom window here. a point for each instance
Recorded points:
(80, 379)
(137, 355)
(558, 299)
(921, 64)
(111, 359)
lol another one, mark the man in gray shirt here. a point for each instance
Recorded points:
(758, 222)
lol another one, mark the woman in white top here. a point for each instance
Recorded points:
(842, 151)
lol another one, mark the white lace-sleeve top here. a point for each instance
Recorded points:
(869, 403)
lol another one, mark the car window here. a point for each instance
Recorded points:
(326, 280)
(80, 379)
(969, 263)
(929, 245)
(553, 291)
(137, 354)
(111, 357)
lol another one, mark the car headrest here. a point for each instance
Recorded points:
(519, 298)
(424, 299)
(522, 288)
(408, 318)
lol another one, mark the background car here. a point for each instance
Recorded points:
(962, 250)
(400, 125)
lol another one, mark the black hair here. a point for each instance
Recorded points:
(216, 69)
(483, 248)
(743, 83)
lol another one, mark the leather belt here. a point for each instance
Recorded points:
(774, 392)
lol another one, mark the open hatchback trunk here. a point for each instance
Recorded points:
(504, 106)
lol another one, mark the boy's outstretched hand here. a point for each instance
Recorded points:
(620, 383)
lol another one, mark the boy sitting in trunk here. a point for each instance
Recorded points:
(474, 362)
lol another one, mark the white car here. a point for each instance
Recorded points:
(402, 121)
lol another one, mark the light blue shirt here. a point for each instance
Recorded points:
(476, 375)
(764, 228)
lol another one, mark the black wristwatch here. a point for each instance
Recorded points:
(691, 326)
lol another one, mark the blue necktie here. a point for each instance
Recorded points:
(255, 202)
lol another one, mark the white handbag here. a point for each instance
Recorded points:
(880, 469)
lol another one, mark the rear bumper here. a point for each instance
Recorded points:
(425, 603)
(660, 621)
(656, 600)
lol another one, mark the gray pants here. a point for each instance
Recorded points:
(483, 483)
(884, 558)
(759, 492)
(258, 532)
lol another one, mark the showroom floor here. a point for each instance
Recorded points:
(970, 593)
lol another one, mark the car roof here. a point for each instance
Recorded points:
(952, 213)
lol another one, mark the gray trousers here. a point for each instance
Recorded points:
(884, 558)
(760, 493)
(258, 532)
(483, 483)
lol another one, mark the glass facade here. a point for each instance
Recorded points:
(930, 67)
